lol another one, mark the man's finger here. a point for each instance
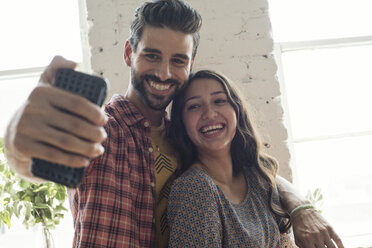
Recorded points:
(70, 143)
(37, 149)
(57, 62)
(78, 105)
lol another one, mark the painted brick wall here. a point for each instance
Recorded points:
(235, 40)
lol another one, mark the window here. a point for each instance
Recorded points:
(32, 32)
(324, 55)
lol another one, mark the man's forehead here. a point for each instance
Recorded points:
(166, 40)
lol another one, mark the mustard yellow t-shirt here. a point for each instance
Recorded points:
(165, 166)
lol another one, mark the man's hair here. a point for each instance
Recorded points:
(174, 14)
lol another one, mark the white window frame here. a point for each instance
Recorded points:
(282, 47)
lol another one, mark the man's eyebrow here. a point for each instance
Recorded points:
(151, 50)
(182, 56)
(178, 55)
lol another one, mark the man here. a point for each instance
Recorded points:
(122, 199)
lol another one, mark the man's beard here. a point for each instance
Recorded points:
(161, 102)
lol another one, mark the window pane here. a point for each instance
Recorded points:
(295, 20)
(342, 168)
(13, 93)
(30, 38)
(329, 90)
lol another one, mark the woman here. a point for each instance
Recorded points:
(226, 196)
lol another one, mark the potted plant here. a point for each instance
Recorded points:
(35, 204)
(316, 198)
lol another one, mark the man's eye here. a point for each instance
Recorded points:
(178, 62)
(152, 57)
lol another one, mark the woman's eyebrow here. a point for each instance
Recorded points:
(191, 98)
(213, 93)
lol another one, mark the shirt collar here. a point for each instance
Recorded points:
(125, 110)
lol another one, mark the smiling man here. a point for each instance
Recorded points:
(122, 199)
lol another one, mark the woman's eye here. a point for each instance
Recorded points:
(220, 101)
(193, 106)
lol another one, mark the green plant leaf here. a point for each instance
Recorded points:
(61, 193)
(34, 203)
(28, 212)
(24, 184)
(41, 205)
(8, 187)
(6, 218)
(42, 187)
(60, 208)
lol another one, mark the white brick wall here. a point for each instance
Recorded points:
(235, 40)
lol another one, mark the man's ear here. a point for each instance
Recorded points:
(192, 64)
(128, 53)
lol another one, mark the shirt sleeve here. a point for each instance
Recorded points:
(95, 202)
(193, 214)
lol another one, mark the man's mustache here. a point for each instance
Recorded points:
(158, 80)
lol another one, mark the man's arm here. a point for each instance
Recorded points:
(309, 227)
(42, 128)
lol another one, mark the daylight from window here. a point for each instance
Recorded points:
(32, 32)
(31, 36)
(324, 55)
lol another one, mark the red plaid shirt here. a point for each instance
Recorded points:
(114, 204)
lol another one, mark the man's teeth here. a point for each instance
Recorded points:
(212, 128)
(159, 86)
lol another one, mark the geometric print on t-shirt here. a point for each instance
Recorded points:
(165, 165)
(200, 215)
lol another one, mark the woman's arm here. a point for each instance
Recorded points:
(309, 227)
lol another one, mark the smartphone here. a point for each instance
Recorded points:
(94, 89)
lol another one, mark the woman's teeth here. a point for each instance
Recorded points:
(213, 128)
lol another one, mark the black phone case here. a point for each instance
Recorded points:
(94, 89)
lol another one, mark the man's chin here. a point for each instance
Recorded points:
(158, 103)
(158, 106)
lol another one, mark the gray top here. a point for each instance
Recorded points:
(200, 215)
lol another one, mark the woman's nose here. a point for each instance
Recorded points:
(209, 112)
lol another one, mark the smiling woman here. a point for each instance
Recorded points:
(209, 118)
(227, 190)
(32, 33)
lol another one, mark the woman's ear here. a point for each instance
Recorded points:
(128, 53)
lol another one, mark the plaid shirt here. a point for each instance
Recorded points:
(114, 204)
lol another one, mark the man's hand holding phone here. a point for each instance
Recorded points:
(54, 125)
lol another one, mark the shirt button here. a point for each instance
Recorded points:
(150, 149)
(153, 184)
(146, 124)
(153, 220)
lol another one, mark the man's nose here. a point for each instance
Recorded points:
(164, 71)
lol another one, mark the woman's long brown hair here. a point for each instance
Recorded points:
(245, 148)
